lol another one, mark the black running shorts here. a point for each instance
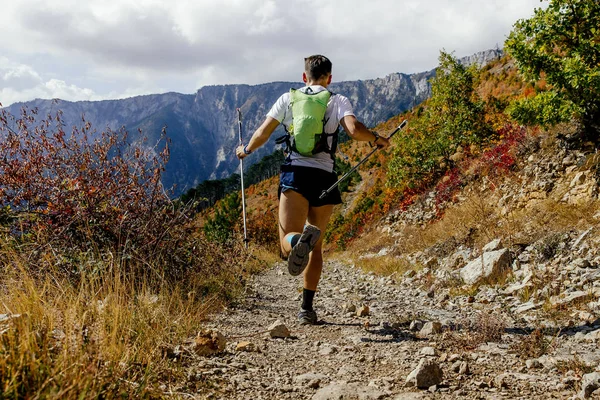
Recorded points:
(310, 183)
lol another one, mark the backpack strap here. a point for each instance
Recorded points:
(287, 140)
(335, 135)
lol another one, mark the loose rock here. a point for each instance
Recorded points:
(349, 308)
(363, 311)
(279, 330)
(431, 328)
(589, 383)
(245, 346)
(344, 390)
(416, 325)
(428, 351)
(427, 373)
(489, 265)
(209, 342)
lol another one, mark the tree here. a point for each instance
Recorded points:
(207, 193)
(220, 227)
(560, 44)
(453, 116)
(455, 111)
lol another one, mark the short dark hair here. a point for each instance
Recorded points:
(316, 67)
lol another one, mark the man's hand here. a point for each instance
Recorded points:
(382, 143)
(240, 153)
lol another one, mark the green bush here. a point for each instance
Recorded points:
(342, 167)
(453, 116)
(220, 227)
(560, 44)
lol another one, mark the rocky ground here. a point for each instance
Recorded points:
(387, 337)
(515, 317)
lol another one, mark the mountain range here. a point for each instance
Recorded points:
(203, 126)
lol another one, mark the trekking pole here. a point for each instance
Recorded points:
(347, 174)
(239, 112)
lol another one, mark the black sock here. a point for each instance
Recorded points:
(307, 299)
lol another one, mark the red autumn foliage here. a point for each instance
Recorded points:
(69, 196)
(80, 185)
(501, 158)
(263, 229)
(447, 188)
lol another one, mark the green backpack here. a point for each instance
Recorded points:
(307, 135)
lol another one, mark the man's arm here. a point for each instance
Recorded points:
(357, 131)
(260, 137)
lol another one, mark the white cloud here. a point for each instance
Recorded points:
(114, 46)
(62, 90)
(21, 82)
(17, 76)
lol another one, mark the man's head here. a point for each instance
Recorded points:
(317, 68)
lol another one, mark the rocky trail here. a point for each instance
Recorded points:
(513, 316)
(389, 338)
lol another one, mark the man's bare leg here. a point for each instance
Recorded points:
(293, 212)
(318, 216)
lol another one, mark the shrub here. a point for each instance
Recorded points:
(453, 116)
(81, 186)
(482, 329)
(228, 215)
(342, 167)
(263, 229)
(560, 45)
(501, 157)
(551, 245)
(76, 201)
(447, 188)
(103, 277)
(534, 345)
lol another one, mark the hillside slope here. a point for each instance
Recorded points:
(484, 280)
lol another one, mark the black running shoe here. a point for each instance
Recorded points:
(298, 258)
(307, 317)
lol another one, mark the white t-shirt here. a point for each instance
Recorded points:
(337, 108)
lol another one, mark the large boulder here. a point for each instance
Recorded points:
(491, 265)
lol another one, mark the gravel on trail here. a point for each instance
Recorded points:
(378, 338)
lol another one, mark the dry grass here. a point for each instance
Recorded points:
(534, 345)
(474, 222)
(576, 365)
(463, 290)
(533, 222)
(104, 337)
(477, 220)
(264, 255)
(463, 222)
(384, 265)
(485, 328)
(370, 242)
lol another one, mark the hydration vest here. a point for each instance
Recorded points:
(306, 134)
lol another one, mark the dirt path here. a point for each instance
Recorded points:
(370, 357)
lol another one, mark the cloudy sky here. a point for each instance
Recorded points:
(102, 49)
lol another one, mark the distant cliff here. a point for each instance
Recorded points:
(203, 126)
